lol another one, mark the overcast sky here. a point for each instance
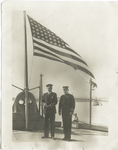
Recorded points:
(89, 29)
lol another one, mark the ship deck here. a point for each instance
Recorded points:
(82, 137)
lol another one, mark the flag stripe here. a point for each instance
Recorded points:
(60, 53)
(42, 55)
(72, 51)
(85, 76)
(80, 68)
(60, 57)
(38, 48)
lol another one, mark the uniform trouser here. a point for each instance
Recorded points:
(49, 117)
(67, 124)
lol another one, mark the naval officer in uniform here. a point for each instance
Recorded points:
(66, 108)
(49, 101)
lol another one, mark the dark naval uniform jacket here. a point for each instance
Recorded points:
(51, 101)
(66, 104)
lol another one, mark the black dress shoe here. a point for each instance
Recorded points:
(44, 137)
(53, 138)
(68, 139)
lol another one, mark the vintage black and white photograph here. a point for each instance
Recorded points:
(60, 74)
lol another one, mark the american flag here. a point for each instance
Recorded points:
(48, 45)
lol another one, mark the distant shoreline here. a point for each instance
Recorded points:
(81, 100)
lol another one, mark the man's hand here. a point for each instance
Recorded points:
(44, 104)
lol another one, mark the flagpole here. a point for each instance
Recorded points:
(26, 77)
(90, 102)
(40, 94)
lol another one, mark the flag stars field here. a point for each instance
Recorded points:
(46, 33)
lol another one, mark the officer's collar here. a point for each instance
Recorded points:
(49, 93)
(66, 94)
